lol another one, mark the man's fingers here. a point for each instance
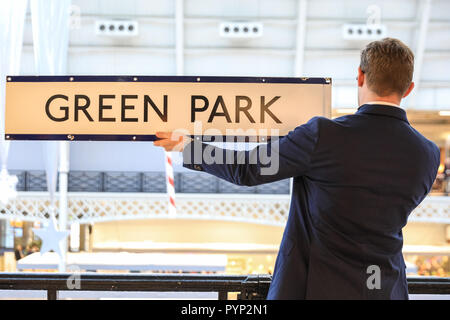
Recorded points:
(158, 142)
(170, 147)
(170, 135)
(169, 141)
(162, 142)
(164, 135)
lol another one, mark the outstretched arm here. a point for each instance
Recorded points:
(286, 157)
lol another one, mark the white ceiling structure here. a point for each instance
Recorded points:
(300, 38)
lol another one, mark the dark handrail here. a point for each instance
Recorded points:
(248, 286)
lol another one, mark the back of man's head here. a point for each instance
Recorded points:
(388, 66)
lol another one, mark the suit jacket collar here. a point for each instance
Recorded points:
(383, 110)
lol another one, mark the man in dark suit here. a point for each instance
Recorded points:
(356, 180)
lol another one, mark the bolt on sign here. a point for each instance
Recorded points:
(135, 108)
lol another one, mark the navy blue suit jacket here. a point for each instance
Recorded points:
(356, 180)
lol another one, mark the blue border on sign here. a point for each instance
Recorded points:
(137, 78)
(82, 137)
(129, 137)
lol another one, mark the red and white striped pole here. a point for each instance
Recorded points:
(179, 61)
(170, 183)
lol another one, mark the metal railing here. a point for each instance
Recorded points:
(248, 287)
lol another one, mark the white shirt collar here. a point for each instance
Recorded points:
(384, 103)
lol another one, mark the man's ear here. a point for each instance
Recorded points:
(360, 77)
(411, 86)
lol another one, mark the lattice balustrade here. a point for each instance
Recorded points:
(85, 181)
(253, 208)
(228, 187)
(21, 177)
(148, 182)
(198, 183)
(122, 182)
(433, 209)
(154, 182)
(36, 181)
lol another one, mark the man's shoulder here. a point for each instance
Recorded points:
(321, 122)
(430, 146)
(318, 121)
(315, 125)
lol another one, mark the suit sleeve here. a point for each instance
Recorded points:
(289, 156)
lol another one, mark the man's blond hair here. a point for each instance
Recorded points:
(388, 65)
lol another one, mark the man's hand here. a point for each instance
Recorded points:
(171, 141)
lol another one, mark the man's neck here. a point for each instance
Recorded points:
(386, 103)
(391, 101)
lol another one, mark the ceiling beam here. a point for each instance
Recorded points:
(179, 37)
(300, 39)
(424, 8)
